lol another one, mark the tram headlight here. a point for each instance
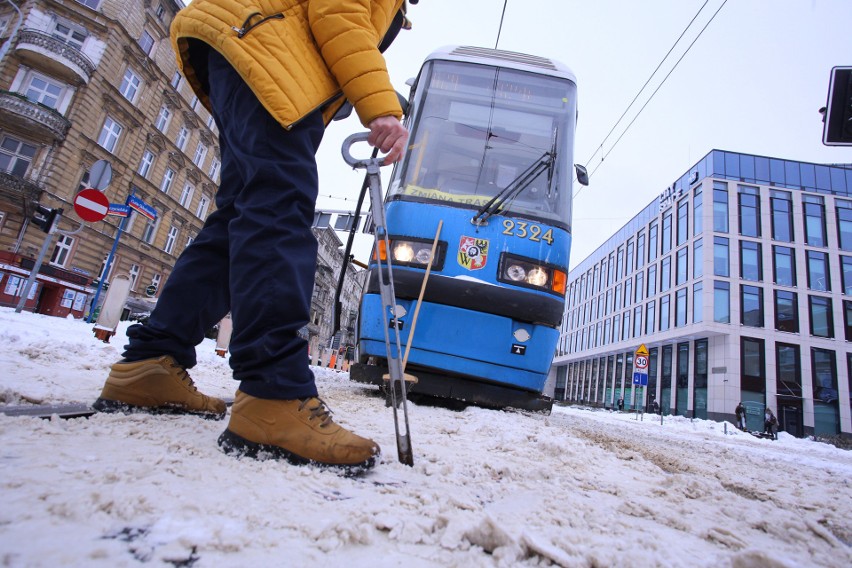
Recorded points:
(532, 274)
(403, 252)
(413, 252)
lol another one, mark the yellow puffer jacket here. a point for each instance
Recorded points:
(296, 55)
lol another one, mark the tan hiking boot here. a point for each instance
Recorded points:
(158, 385)
(299, 431)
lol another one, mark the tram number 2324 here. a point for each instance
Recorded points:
(524, 230)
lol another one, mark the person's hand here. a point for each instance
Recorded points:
(388, 135)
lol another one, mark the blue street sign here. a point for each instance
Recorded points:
(640, 379)
(118, 209)
(142, 207)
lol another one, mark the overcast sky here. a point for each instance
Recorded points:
(753, 82)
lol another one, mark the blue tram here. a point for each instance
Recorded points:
(490, 154)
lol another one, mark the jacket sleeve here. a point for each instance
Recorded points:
(346, 35)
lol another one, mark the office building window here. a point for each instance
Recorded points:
(697, 302)
(720, 207)
(682, 221)
(682, 269)
(721, 302)
(628, 292)
(697, 212)
(814, 210)
(824, 384)
(666, 237)
(665, 274)
(781, 203)
(844, 224)
(626, 329)
(786, 311)
(652, 280)
(698, 258)
(753, 365)
(652, 241)
(629, 258)
(650, 308)
(619, 263)
(680, 307)
(640, 249)
(846, 274)
(784, 266)
(751, 306)
(721, 257)
(665, 313)
(847, 319)
(788, 370)
(749, 211)
(640, 285)
(818, 271)
(751, 261)
(822, 322)
(637, 321)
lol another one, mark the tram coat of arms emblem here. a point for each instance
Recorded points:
(473, 253)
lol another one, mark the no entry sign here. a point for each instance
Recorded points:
(91, 205)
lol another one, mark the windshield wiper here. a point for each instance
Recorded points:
(515, 187)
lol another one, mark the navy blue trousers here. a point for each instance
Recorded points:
(255, 255)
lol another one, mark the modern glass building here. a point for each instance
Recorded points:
(738, 280)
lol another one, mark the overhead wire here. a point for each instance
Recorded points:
(500, 29)
(655, 90)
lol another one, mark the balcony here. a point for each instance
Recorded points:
(16, 188)
(40, 122)
(53, 55)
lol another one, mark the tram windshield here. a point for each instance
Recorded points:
(477, 133)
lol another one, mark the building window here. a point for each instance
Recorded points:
(637, 321)
(62, 250)
(786, 311)
(697, 302)
(847, 319)
(321, 220)
(176, 80)
(170, 239)
(788, 370)
(652, 242)
(665, 313)
(69, 33)
(163, 119)
(682, 221)
(753, 365)
(749, 213)
(697, 212)
(182, 138)
(751, 262)
(818, 271)
(625, 321)
(751, 306)
(186, 195)
(628, 292)
(629, 258)
(193, 104)
(200, 154)
(844, 224)
(666, 237)
(650, 312)
(42, 90)
(110, 133)
(721, 257)
(215, 165)
(15, 156)
(682, 269)
(846, 274)
(640, 285)
(824, 377)
(814, 211)
(652, 280)
(146, 163)
(665, 274)
(781, 203)
(93, 4)
(640, 249)
(134, 275)
(698, 258)
(168, 179)
(784, 266)
(720, 207)
(203, 205)
(721, 302)
(146, 42)
(130, 85)
(680, 308)
(822, 322)
(150, 230)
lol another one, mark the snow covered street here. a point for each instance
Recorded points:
(580, 487)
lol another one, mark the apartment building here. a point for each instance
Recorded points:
(738, 280)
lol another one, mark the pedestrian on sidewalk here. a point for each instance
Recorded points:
(272, 79)
(740, 413)
(770, 424)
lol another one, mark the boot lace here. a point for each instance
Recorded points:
(183, 375)
(321, 410)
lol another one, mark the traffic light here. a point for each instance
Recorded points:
(838, 113)
(45, 217)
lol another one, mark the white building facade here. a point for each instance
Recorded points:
(738, 280)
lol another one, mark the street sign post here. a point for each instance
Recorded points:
(640, 376)
(91, 205)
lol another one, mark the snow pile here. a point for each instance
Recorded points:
(488, 488)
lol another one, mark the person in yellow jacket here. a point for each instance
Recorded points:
(272, 74)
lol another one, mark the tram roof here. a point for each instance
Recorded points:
(510, 59)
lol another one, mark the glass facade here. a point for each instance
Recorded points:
(775, 294)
